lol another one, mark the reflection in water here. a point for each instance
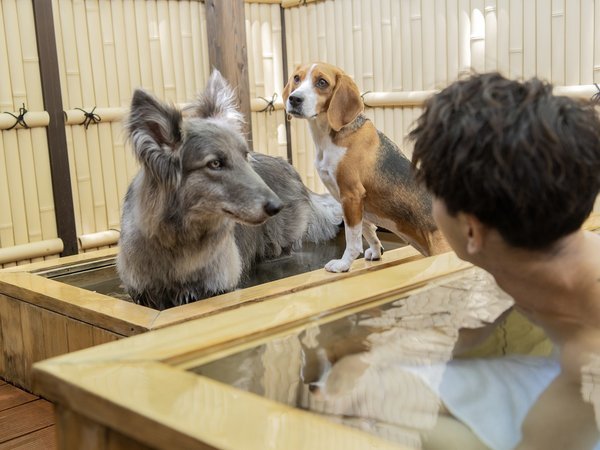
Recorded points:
(421, 371)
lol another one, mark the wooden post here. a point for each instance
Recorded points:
(284, 63)
(226, 29)
(57, 140)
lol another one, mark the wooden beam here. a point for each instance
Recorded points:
(57, 140)
(227, 52)
(288, 133)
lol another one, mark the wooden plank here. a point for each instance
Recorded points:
(79, 335)
(227, 52)
(10, 396)
(106, 312)
(100, 336)
(12, 340)
(44, 439)
(73, 431)
(33, 339)
(54, 327)
(280, 287)
(57, 141)
(25, 418)
(118, 441)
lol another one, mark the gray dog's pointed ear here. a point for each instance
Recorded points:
(217, 101)
(154, 129)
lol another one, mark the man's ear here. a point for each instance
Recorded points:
(476, 234)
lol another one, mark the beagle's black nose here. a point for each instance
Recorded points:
(295, 100)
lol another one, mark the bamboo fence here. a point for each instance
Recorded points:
(398, 51)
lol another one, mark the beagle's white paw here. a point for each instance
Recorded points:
(337, 265)
(372, 254)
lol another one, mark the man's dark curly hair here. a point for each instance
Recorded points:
(517, 157)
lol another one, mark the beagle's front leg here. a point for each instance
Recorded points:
(352, 206)
(375, 250)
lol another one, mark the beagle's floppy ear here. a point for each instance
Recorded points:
(345, 104)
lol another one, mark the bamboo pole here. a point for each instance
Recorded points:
(464, 32)
(407, 75)
(317, 38)
(261, 143)
(165, 55)
(491, 35)
(417, 44)
(452, 46)
(477, 35)
(516, 39)
(24, 162)
(100, 170)
(121, 96)
(6, 220)
(187, 46)
(441, 52)
(176, 50)
(270, 144)
(336, 12)
(347, 19)
(529, 43)
(201, 49)
(153, 40)
(357, 38)
(367, 55)
(596, 68)
(572, 41)
(586, 43)
(428, 43)
(98, 240)
(112, 171)
(142, 48)
(558, 42)
(133, 45)
(30, 251)
(503, 37)
(33, 119)
(543, 34)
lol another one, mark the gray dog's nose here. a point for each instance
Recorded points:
(295, 100)
(272, 208)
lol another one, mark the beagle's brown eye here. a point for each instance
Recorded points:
(296, 79)
(322, 83)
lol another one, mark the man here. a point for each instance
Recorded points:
(515, 171)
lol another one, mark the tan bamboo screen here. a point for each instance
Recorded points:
(390, 46)
(398, 52)
(106, 50)
(26, 203)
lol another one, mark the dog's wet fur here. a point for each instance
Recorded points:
(203, 208)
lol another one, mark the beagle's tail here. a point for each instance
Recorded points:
(326, 217)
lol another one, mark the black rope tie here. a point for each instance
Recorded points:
(270, 104)
(89, 117)
(362, 96)
(596, 97)
(20, 120)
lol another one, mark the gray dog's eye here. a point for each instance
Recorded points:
(215, 164)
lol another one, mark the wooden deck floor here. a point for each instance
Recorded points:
(26, 421)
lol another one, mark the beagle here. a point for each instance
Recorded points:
(360, 166)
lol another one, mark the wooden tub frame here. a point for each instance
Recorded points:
(41, 318)
(138, 394)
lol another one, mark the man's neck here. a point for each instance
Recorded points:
(562, 283)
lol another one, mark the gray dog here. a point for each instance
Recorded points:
(203, 208)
